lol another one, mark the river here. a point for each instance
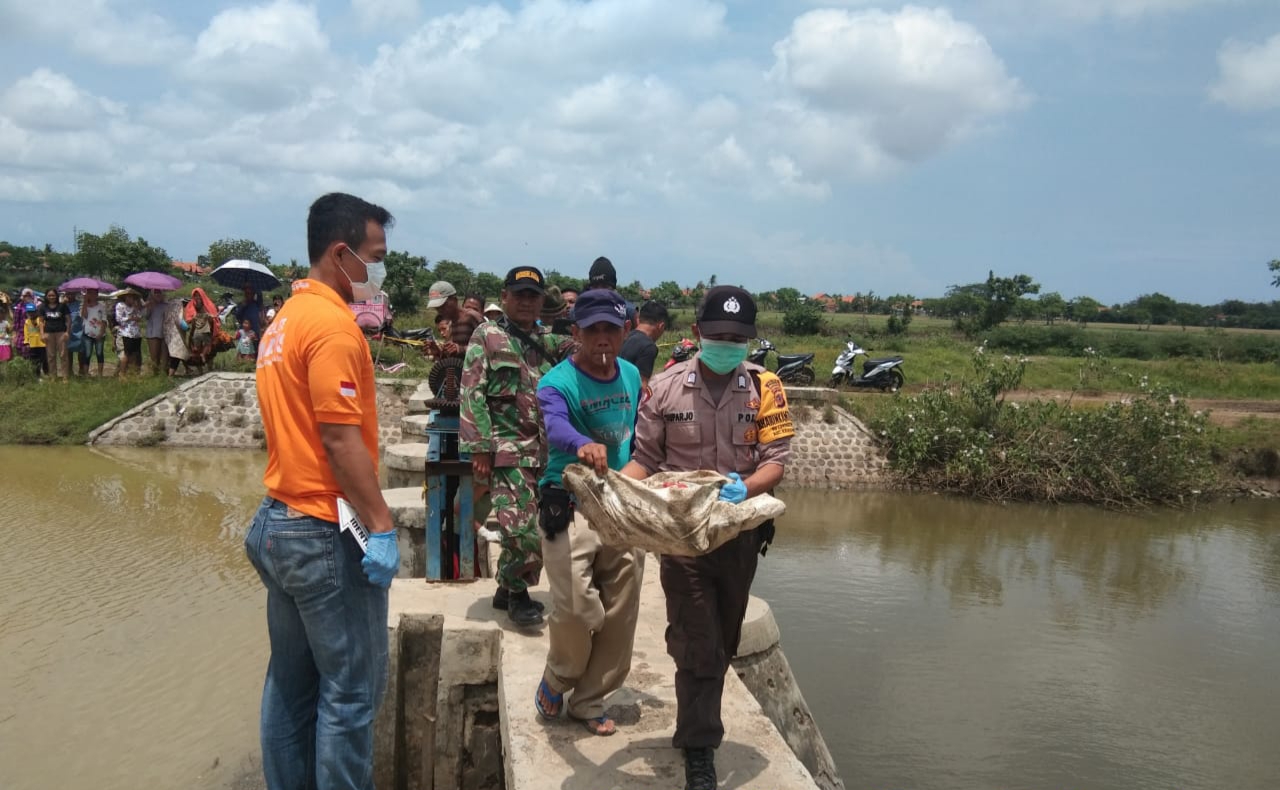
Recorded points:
(940, 643)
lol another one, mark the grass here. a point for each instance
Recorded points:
(57, 413)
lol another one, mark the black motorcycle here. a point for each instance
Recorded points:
(792, 368)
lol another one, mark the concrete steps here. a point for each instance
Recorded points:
(405, 464)
(413, 426)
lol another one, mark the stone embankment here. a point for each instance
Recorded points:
(832, 449)
(221, 410)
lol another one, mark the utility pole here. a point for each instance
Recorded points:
(75, 239)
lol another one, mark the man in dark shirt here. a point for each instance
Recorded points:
(250, 310)
(641, 346)
(443, 298)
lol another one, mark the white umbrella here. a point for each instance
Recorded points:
(239, 273)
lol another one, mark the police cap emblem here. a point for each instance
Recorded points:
(731, 305)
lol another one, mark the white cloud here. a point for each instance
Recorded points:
(373, 14)
(619, 103)
(94, 29)
(1249, 75)
(261, 56)
(48, 101)
(904, 84)
(1088, 11)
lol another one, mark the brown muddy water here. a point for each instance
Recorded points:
(940, 643)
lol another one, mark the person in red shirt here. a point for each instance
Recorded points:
(326, 596)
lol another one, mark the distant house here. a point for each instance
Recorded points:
(828, 302)
(191, 268)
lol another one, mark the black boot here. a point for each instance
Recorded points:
(501, 600)
(522, 610)
(700, 768)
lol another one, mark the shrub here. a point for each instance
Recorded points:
(802, 319)
(964, 437)
(197, 414)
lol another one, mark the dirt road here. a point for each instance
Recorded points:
(1226, 412)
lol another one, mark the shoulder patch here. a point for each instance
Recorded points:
(773, 418)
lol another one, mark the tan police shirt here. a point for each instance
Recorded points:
(681, 428)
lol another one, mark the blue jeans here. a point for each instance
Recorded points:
(93, 346)
(328, 629)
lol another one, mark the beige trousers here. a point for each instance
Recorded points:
(595, 596)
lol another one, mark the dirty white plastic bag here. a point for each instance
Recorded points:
(668, 513)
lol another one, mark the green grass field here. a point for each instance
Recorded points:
(51, 412)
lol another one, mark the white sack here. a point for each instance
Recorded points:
(668, 513)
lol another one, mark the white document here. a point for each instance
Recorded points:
(348, 521)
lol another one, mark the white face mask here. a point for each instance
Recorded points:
(375, 274)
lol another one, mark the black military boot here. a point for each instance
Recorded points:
(700, 768)
(522, 610)
(502, 599)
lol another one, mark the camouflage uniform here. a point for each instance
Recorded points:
(500, 415)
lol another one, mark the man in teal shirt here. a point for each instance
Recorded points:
(589, 404)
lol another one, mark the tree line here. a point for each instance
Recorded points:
(974, 307)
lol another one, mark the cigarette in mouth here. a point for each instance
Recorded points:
(603, 358)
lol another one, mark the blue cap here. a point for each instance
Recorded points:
(599, 304)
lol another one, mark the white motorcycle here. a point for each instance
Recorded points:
(882, 374)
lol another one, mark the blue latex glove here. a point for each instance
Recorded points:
(382, 560)
(734, 491)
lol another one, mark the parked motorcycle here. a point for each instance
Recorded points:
(792, 368)
(682, 350)
(882, 374)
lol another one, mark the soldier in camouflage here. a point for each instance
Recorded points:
(501, 427)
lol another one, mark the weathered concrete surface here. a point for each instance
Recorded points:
(563, 754)
(768, 674)
(405, 464)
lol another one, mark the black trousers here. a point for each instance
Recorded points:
(706, 602)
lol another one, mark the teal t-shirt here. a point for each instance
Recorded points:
(603, 411)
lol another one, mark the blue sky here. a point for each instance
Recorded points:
(1106, 147)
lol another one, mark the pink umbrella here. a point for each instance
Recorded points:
(86, 284)
(154, 281)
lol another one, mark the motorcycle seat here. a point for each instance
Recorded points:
(870, 364)
(789, 359)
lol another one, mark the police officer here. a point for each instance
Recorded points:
(714, 411)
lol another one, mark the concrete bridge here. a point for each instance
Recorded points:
(459, 709)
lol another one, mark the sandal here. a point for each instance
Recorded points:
(600, 725)
(554, 701)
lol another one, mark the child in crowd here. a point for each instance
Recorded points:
(6, 345)
(247, 341)
(35, 344)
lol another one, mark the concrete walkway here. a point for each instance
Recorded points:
(563, 755)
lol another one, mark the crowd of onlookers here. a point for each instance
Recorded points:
(64, 333)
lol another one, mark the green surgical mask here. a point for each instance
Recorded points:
(722, 356)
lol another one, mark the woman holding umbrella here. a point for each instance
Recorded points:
(154, 312)
(93, 319)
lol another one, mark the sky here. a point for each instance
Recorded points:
(1108, 148)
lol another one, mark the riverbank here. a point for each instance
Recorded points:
(56, 413)
(1247, 434)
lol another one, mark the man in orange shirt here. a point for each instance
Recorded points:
(326, 598)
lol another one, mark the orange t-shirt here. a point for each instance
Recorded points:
(313, 367)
